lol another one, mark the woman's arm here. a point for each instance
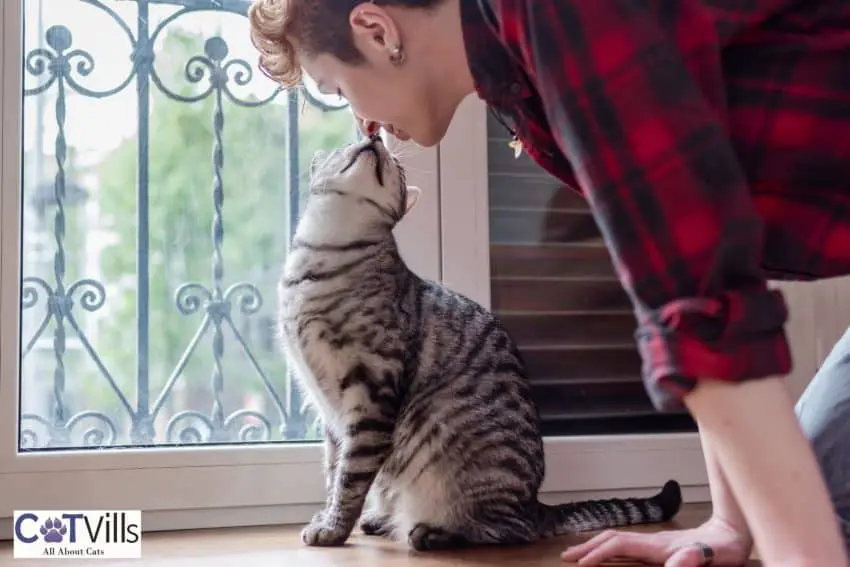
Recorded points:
(752, 432)
(726, 533)
(724, 507)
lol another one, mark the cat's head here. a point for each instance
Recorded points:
(367, 179)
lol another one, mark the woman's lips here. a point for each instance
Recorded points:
(371, 127)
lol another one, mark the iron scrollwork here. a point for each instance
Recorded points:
(61, 67)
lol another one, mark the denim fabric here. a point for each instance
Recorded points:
(824, 412)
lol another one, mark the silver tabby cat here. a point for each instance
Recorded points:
(430, 432)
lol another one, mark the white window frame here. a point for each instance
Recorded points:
(444, 238)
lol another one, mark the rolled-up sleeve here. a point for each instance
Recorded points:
(634, 99)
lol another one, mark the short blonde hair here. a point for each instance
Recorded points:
(315, 26)
(273, 24)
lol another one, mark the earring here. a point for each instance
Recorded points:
(396, 55)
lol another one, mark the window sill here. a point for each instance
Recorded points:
(290, 491)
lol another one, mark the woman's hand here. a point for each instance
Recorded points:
(676, 548)
(369, 127)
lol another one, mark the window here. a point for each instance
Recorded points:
(144, 297)
(151, 179)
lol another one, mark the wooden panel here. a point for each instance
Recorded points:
(819, 314)
(581, 329)
(548, 261)
(554, 288)
(557, 365)
(559, 294)
(543, 226)
(592, 400)
(533, 191)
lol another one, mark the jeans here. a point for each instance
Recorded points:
(824, 413)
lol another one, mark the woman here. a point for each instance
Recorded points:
(710, 139)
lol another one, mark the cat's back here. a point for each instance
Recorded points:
(477, 338)
(467, 370)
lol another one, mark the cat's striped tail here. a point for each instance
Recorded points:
(606, 514)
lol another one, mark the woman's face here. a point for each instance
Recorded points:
(408, 98)
(381, 93)
(372, 97)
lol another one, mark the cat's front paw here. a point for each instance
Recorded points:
(321, 533)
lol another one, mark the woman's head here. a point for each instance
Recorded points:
(397, 62)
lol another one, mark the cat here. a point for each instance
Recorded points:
(429, 429)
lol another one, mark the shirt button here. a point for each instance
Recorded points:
(516, 88)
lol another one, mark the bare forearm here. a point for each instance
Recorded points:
(725, 508)
(760, 451)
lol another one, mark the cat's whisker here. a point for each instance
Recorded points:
(417, 169)
(410, 153)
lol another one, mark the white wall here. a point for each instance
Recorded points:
(819, 316)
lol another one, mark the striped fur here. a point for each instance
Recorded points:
(430, 432)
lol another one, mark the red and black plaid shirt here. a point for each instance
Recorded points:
(712, 141)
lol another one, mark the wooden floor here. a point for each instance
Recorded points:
(281, 546)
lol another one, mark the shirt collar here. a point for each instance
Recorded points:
(498, 77)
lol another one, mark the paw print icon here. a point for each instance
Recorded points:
(53, 530)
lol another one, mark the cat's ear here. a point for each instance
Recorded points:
(413, 194)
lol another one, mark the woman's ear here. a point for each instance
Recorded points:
(413, 194)
(374, 26)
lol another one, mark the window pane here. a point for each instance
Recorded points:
(162, 174)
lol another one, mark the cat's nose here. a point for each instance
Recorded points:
(372, 141)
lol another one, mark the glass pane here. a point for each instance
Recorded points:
(554, 287)
(162, 172)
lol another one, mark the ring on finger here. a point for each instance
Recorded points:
(707, 554)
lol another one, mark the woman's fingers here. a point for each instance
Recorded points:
(576, 552)
(611, 544)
